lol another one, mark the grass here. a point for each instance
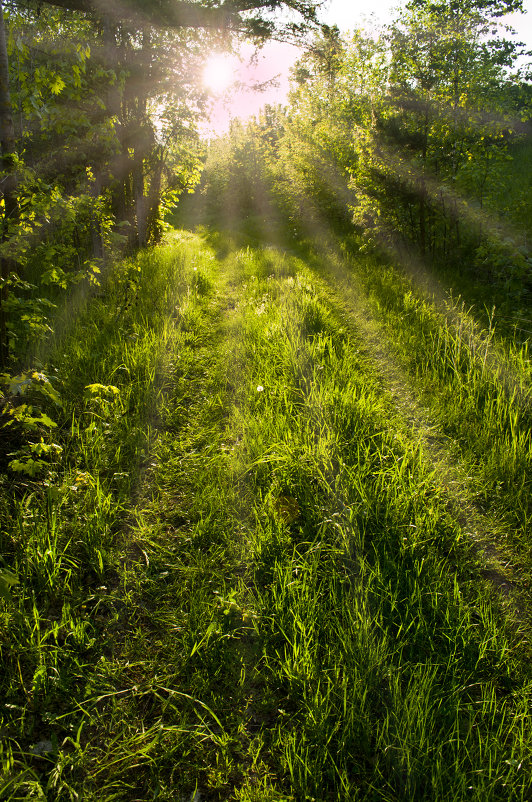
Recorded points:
(243, 579)
(478, 387)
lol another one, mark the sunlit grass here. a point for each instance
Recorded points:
(477, 383)
(247, 582)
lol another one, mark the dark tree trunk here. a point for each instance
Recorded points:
(422, 185)
(9, 182)
(153, 229)
(113, 60)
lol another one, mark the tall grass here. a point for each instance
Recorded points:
(62, 532)
(284, 608)
(373, 635)
(478, 386)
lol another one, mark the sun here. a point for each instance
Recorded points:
(218, 73)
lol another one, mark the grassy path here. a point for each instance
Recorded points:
(278, 602)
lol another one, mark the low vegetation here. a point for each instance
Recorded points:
(243, 577)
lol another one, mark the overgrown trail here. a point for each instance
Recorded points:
(288, 606)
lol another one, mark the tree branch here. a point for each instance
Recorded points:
(175, 14)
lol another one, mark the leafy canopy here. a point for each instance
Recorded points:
(249, 17)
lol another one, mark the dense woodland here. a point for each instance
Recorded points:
(265, 408)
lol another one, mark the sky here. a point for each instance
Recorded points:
(274, 62)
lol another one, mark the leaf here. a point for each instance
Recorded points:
(31, 467)
(101, 390)
(54, 276)
(7, 580)
(45, 386)
(19, 384)
(27, 416)
(45, 420)
(45, 449)
(57, 85)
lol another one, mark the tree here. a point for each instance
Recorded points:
(448, 110)
(406, 134)
(9, 183)
(127, 136)
(246, 17)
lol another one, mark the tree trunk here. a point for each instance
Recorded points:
(140, 148)
(8, 184)
(153, 228)
(113, 60)
(422, 188)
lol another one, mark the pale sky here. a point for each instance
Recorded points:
(276, 59)
(347, 13)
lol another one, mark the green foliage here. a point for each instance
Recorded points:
(106, 114)
(237, 566)
(407, 139)
(100, 161)
(32, 464)
(34, 386)
(8, 580)
(22, 421)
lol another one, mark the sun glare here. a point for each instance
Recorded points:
(218, 73)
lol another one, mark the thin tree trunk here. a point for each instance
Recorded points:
(153, 229)
(8, 184)
(113, 60)
(141, 202)
(422, 186)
